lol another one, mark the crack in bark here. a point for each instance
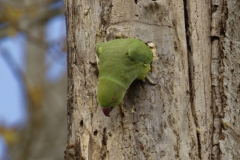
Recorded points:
(104, 138)
(104, 144)
(191, 73)
(216, 32)
(199, 145)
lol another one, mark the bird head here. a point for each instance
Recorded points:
(110, 94)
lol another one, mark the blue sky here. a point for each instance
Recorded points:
(13, 110)
(12, 107)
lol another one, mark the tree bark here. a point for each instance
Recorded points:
(192, 111)
(229, 77)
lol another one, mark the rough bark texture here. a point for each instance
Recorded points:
(181, 116)
(199, 48)
(230, 81)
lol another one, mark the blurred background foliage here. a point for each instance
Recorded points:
(33, 83)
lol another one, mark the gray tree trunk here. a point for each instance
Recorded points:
(192, 112)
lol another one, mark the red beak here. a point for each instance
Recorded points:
(107, 111)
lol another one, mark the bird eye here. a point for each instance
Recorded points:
(113, 99)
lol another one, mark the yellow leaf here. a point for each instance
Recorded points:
(35, 95)
(11, 13)
(11, 31)
(9, 135)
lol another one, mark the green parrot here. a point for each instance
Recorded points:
(121, 62)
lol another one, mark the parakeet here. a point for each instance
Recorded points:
(121, 62)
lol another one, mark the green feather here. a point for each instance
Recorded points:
(121, 62)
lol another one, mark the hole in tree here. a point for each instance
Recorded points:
(123, 115)
(104, 138)
(135, 1)
(95, 133)
(81, 123)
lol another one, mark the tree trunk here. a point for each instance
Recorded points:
(192, 111)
